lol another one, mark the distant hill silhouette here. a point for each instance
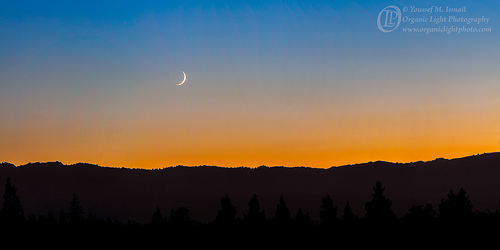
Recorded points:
(135, 194)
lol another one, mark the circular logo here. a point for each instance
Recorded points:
(389, 19)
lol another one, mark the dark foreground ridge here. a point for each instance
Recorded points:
(425, 197)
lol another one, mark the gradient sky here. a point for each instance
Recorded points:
(277, 83)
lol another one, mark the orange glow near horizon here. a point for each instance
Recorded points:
(240, 141)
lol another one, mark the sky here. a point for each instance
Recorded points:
(276, 83)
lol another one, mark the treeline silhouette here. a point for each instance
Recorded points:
(454, 217)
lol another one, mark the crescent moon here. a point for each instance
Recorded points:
(182, 80)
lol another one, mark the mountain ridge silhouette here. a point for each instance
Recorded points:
(134, 194)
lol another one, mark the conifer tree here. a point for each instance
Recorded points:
(328, 212)
(12, 210)
(180, 216)
(300, 219)
(282, 214)
(379, 208)
(227, 214)
(75, 210)
(453, 206)
(420, 214)
(349, 217)
(51, 219)
(157, 218)
(255, 215)
(62, 218)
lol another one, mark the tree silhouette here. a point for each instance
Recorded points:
(12, 210)
(51, 219)
(349, 217)
(302, 220)
(420, 214)
(282, 214)
(254, 216)
(62, 218)
(328, 212)
(227, 214)
(455, 206)
(75, 210)
(379, 208)
(157, 218)
(180, 217)
(93, 220)
(464, 204)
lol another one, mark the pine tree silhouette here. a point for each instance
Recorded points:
(180, 217)
(379, 208)
(420, 214)
(455, 206)
(157, 218)
(51, 219)
(227, 214)
(328, 212)
(62, 218)
(302, 220)
(75, 210)
(12, 210)
(349, 217)
(282, 215)
(254, 216)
